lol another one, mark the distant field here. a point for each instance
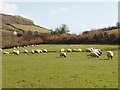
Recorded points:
(115, 30)
(27, 28)
(31, 28)
(48, 70)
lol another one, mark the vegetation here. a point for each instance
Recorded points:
(32, 34)
(18, 23)
(61, 29)
(48, 70)
(32, 28)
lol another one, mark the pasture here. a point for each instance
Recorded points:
(48, 70)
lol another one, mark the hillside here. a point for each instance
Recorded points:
(18, 23)
(114, 31)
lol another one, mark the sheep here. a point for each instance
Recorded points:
(109, 54)
(89, 49)
(69, 50)
(63, 54)
(17, 52)
(98, 51)
(0, 49)
(45, 50)
(94, 54)
(14, 33)
(14, 47)
(62, 50)
(74, 50)
(25, 51)
(39, 51)
(79, 50)
(5, 52)
(32, 51)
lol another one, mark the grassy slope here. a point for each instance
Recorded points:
(115, 30)
(47, 70)
(31, 28)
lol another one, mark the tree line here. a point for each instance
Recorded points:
(59, 36)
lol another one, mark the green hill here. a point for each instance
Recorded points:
(18, 23)
(114, 31)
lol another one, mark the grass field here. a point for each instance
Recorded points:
(48, 70)
(31, 28)
(114, 31)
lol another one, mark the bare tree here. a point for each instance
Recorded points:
(62, 29)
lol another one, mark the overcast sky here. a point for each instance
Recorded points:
(79, 16)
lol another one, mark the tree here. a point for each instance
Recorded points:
(62, 29)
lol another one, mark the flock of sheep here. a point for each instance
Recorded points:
(93, 52)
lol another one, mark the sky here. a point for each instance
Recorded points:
(78, 16)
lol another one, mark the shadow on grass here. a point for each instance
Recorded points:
(105, 59)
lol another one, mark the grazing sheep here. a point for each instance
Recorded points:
(98, 51)
(62, 50)
(63, 54)
(25, 51)
(94, 54)
(69, 50)
(14, 47)
(14, 33)
(17, 52)
(18, 47)
(0, 49)
(32, 51)
(89, 49)
(74, 50)
(38, 51)
(79, 50)
(45, 50)
(5, 52)
(109, 54)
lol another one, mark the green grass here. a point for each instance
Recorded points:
(48, 70)
(114, 31)
(31, 28)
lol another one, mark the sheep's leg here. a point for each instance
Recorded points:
(111, 57)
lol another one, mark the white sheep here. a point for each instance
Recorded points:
(109, 54)
(94, 54)
(79, 50)
(98, 51)
(63, 54)
(74, 50)
(5, 52)
(32, 51)
(69, 50)
(44, 50)
(89, 49)
(17, 52)
(1, 49)
(25, 51)
(38, 51)
(62, 50)
(14, 47)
